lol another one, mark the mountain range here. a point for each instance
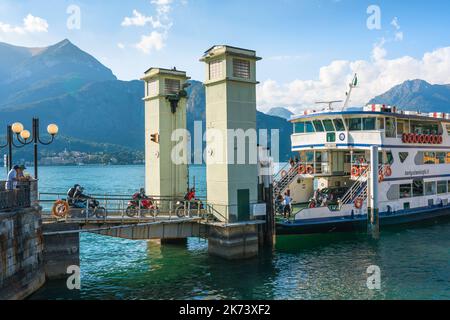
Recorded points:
(95, 111)
(417, 95)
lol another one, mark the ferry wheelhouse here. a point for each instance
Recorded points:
(331, 172)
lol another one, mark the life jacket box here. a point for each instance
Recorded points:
(379, 108)
(437, 115)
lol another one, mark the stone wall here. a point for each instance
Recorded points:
(21, 253)
(60, 250)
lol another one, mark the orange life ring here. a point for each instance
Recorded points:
(410, 137)
(405, 138)
(421, 138)
(355, 171)
(435, 139)
(301, 169)
(283, 173)
(60, 209)
(309, 170)
(358, 203)
(440, 139)
(387, 171)
(380, 177)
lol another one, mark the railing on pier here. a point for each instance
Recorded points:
(22, 196)
(117, 207)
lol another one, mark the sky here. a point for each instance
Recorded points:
(310, 48)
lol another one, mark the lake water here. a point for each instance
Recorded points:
(414, 261)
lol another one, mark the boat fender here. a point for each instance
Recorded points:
(440, 139)
(427, 138)
(415, 138)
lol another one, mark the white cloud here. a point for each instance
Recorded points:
(376, 76)
(154, 41)
(160, 21)
(395, 23)
(120, 45)
(138, 19)
(31, 24)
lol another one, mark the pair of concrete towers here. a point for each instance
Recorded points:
(230, 104)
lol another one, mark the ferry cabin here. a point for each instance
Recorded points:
(333, 149)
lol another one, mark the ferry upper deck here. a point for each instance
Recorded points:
(380, 125)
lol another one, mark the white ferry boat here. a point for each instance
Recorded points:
(331, 172)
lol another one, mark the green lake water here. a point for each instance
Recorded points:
(414, 261)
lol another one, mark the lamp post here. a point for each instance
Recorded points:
(24, 137)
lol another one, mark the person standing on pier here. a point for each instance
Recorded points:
(287, 205)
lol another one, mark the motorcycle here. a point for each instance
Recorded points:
(143, 204)
(184, 207)
(78, 205)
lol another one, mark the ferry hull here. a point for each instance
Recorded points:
(359, 223)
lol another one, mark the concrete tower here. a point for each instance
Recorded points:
(165, 111)
(231, 111)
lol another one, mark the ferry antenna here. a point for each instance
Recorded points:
(329, 103)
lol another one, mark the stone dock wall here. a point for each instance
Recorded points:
(21, 253)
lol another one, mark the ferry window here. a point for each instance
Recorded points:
(424, 127)
(448, 185)
(406, 206)
(430, 188)
(442, 187)
(339, 124)
(318, 125)
(299, 127)
(400, 127)
(309, 127)
(448, 128)
(405, 191)
(368, 123)
(309, 157)
(429, 158)
(328, 124)
(417, 188)
(354, 124)
(390, 128)
(380, 122)
(331, 137)
(389, 158)
(440, 157)
(403, 156)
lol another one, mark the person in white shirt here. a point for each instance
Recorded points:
(11, 182)
(287, 205)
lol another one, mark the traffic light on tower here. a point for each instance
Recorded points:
(154, 137)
